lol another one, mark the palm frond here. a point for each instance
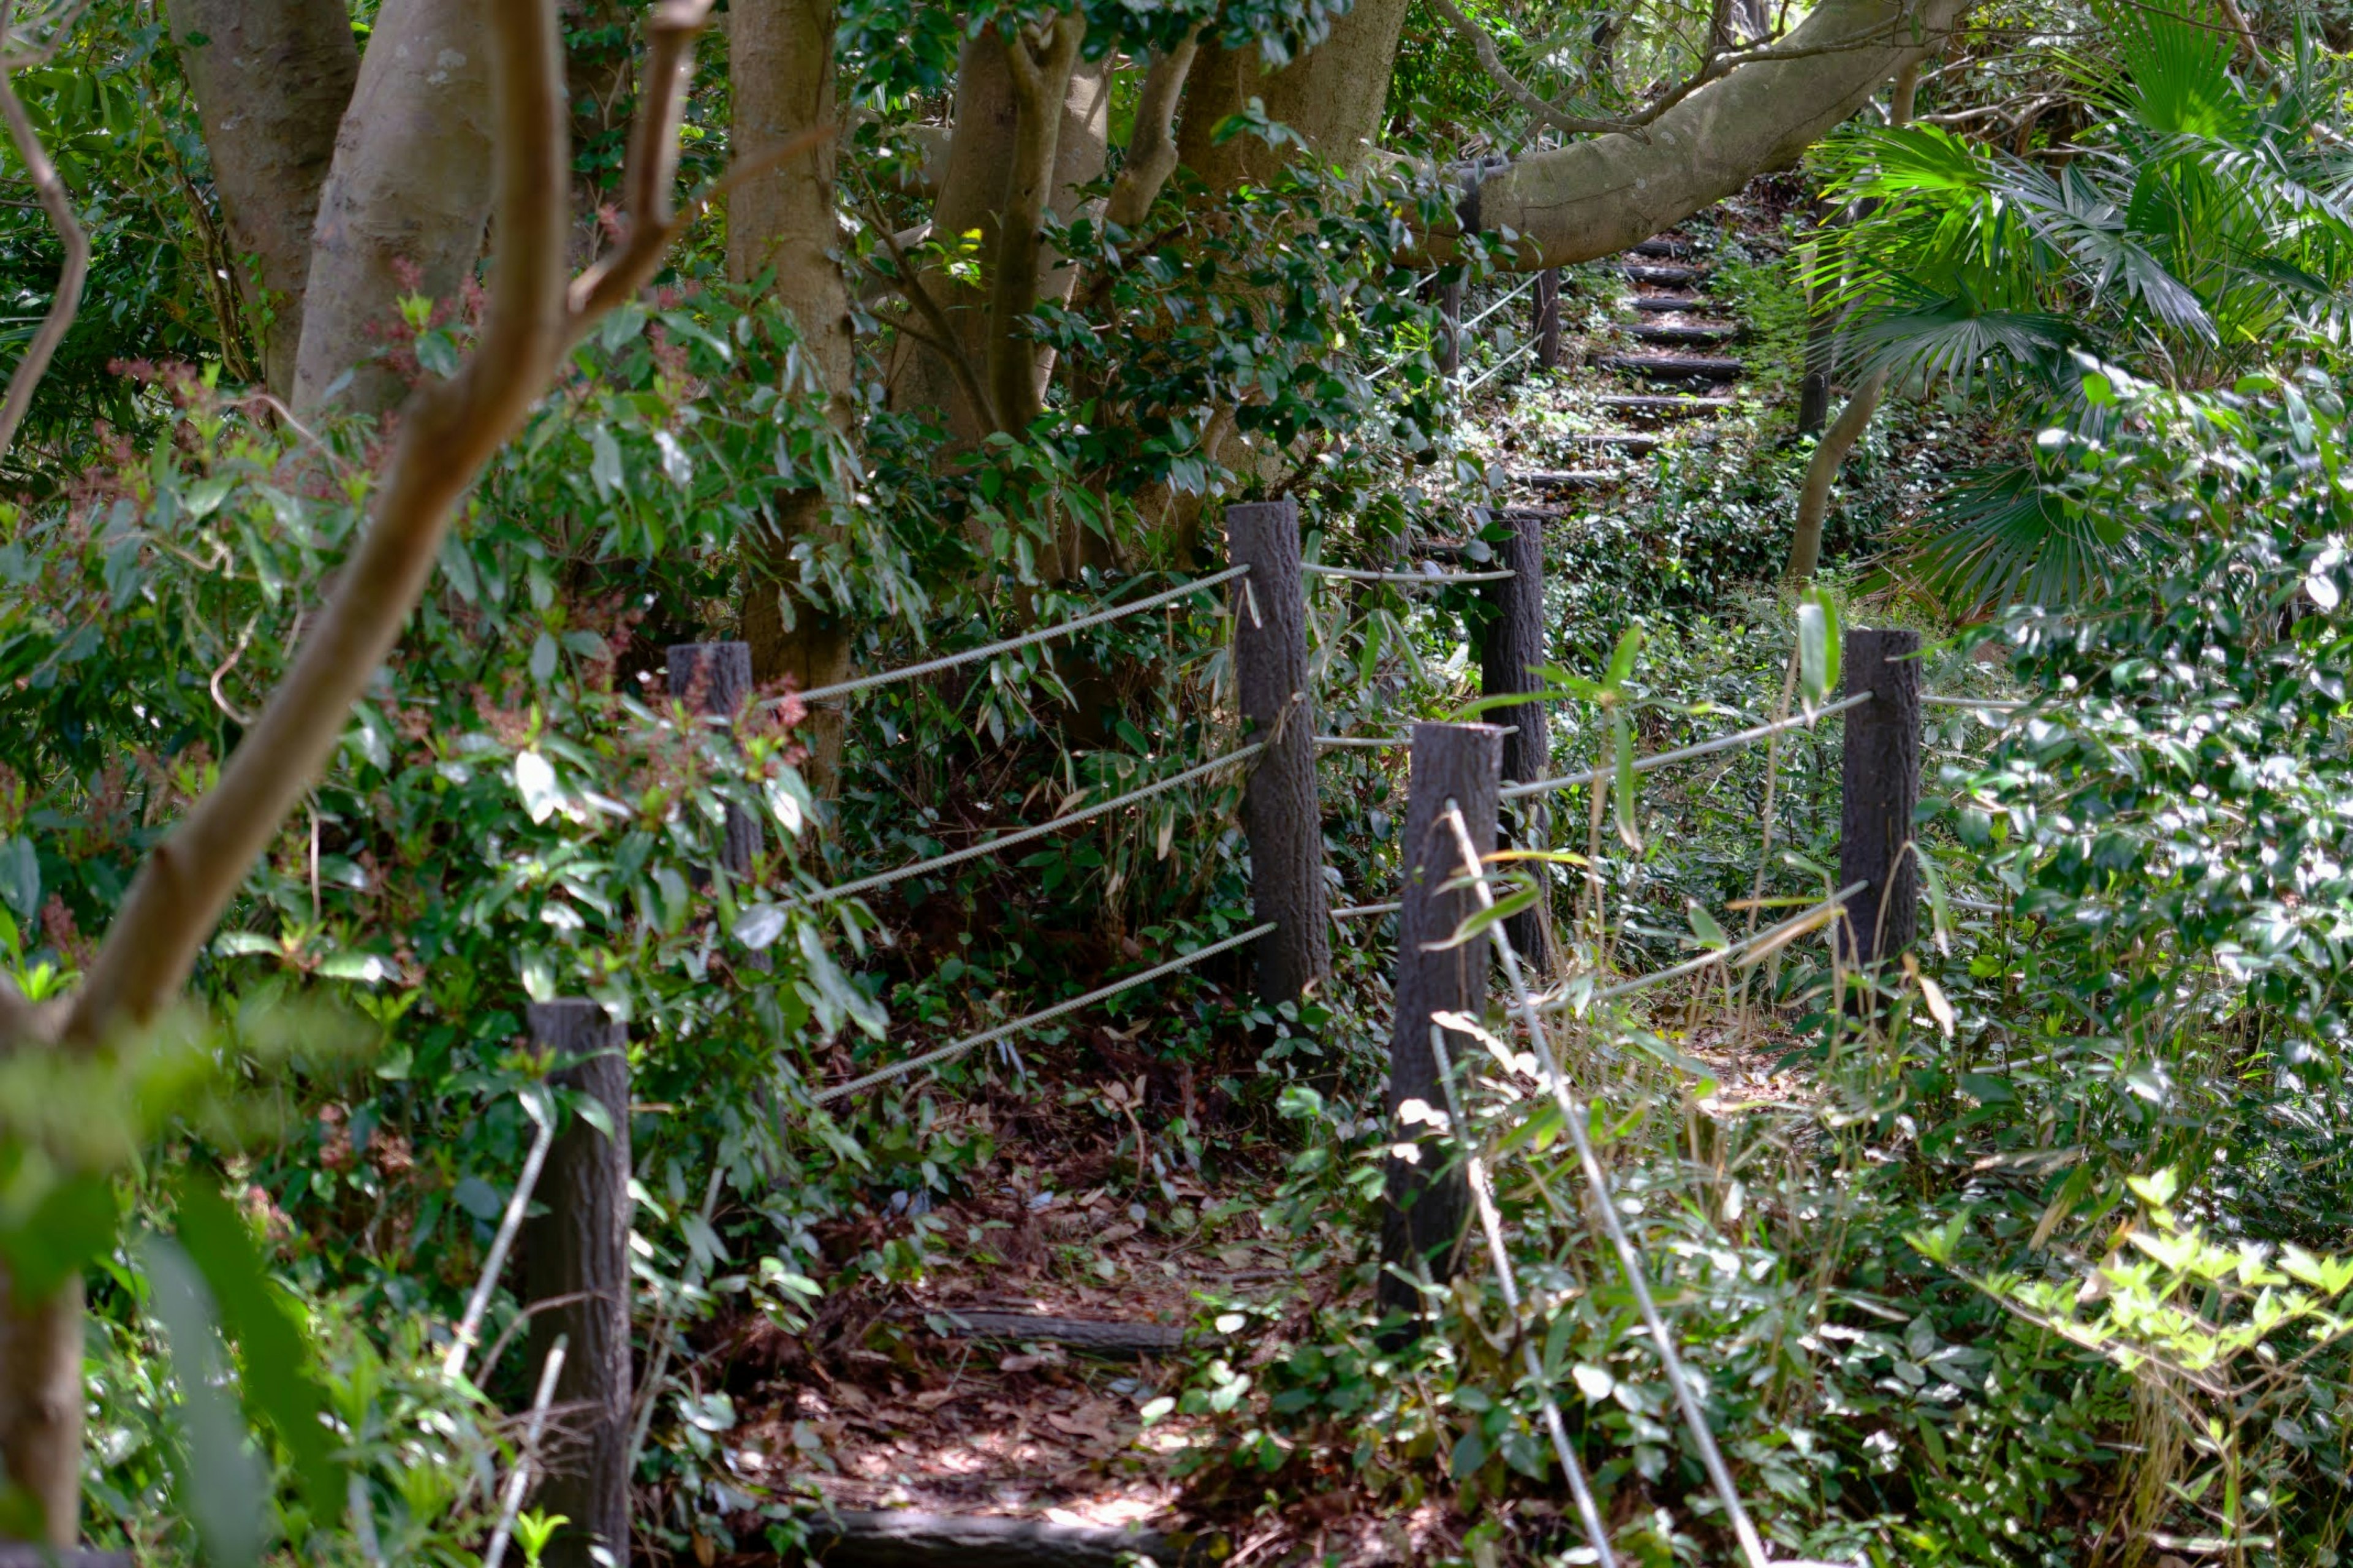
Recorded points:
(2003, 536)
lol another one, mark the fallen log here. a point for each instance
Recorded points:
(1092, 1336)
(906, 1539)
(1656, 405)
(1668, 276)
(1674, 367)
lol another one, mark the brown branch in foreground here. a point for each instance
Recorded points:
(1715, 64)
(449, 431)
(66, 305)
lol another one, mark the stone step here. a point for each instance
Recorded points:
(1653, 406)
(1673, 367)
(1667, 276)
(1693, 334)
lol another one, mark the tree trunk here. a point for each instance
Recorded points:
(271, 80)
(41, 1402)
(411, 187)
(983, 166)
(1822, 472)
(1333, 95)
(1599, 196)
(780, 59)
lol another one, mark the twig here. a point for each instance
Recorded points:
(519, 1479)
(453, 1365)
(27, 377)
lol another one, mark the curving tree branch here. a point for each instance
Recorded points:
(449, 431)
(67, 304)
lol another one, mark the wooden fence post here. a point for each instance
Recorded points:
(1428, 1198)
(1882, 788)
(1280, 811)
(1509, 660)
(717, 676)
(1547, 323)
(576, 1255)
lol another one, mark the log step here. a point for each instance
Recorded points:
(1666, 277)
(1663, 245)
(1668, 302)
(1694, 335)
(1673, 367)
(1657, 407)
(1634, 441)
(1091, 1335)
(1564, 479)
(907, 1538)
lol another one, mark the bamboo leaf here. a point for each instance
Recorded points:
(1622, 735)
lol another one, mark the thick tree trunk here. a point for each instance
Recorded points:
(1333, 96)
(780, 58)
(411, 187)
(1599, 196)
(983, 167)
(271, 81)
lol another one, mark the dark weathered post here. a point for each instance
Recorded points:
(1547, 324)
(1882, 782)
(577, 1258)
(1280, 812)
(716, 676)
(1508, 662)
(1428, 1198)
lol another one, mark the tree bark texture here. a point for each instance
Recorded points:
(1280, 813)
(1599, 196)
(410, 187)
(577, 1253)
(1333, 96)
(1428, 1197)
(41, 1402)
(271, 82)
(1548, 322)
(714, 677)
(983, 164)
(1513, 654)
(781, 68)
(1880, 777)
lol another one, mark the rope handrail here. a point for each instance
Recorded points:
(1356, 912)
(1988, 704)
(1605, 1205)
(1517, 290)
(971, 1042)
(1364, 740)
(1027, 835)
(1562, 1002)
(1355, 574)
(1044, 633)
(1498, 368)
(1686, 754)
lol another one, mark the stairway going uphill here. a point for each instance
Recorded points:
(1669, 366)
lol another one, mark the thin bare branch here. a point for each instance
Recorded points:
(27, 377)
(652, 165)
